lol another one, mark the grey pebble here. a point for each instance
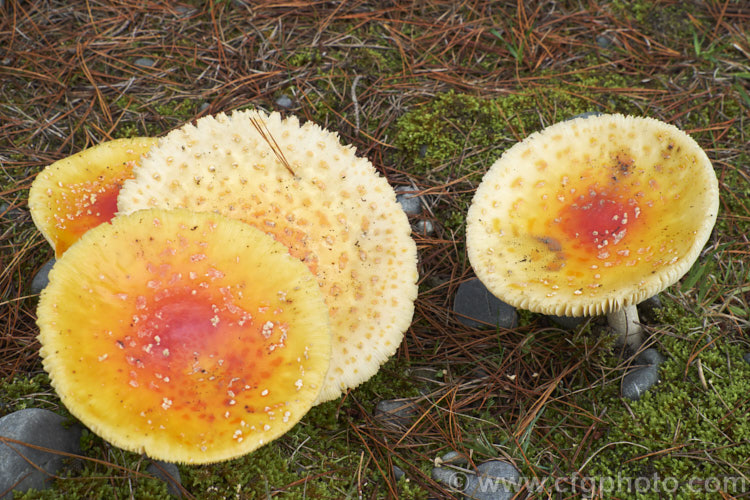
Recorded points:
(169, 473)
(184, 11)
(495, 480)
(746, 357)
(424, 227)
(649, 356)
(398, 473)
(16, 214)
(644, 376)
(40, 428)
(410, 201)
(638, 381)
(604, 42)
(284, 101)
(474, 301)
(455, 480)
(41, 278)
(647, 309)
(454, 458)
(396, 412)
(146, 62)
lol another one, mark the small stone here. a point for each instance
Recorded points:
(423, 150)
(13, 214)
(146, 62)
(650, 356)
(495, 480)
(568, 322)
(452, 458)
(638, 381)
(284, 101)
(184, 10)
(41, 278)
(204, 107)
(23, 468)
(604, 42)
(456, 480)
(474, 306)
(396, 412)
(746, 357)
(647, 309)
(424, 227)
(398, 473)
(409, 200)
(169, 473)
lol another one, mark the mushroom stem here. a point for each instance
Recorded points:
(625, 323)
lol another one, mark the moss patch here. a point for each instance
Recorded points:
(680, 437)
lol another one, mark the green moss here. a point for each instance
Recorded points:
(303, 57)
(458, 134)
(678, 429)
(21, 392)
(665, 22)
(677, 432)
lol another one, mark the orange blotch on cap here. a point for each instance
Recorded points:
(190, 337)
(621, 211)
(79, 192)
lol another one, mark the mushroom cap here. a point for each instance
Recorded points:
(591, 215)
(191, 337)
(79, 192)
(335, 213)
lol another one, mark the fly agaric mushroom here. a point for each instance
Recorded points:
(191, 337)
(591, 216)
(328, 206)
(76, 193)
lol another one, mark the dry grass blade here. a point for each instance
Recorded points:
(269, 138)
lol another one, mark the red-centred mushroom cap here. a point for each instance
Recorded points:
(191, 337)
(591, 215)
(79, 192)
(331, 208)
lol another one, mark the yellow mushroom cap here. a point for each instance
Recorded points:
(79, 192)
(190, 337)
(591, 215)
(335, 213)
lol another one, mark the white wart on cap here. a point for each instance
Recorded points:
(592, 215)
(328, 206)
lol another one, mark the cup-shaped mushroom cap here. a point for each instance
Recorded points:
(79, 192)
(191, 337)
(592, 215)
(334, 212)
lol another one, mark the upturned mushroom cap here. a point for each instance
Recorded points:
(191, 337)
(592, 215)
(79, 192)
(335, 213)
